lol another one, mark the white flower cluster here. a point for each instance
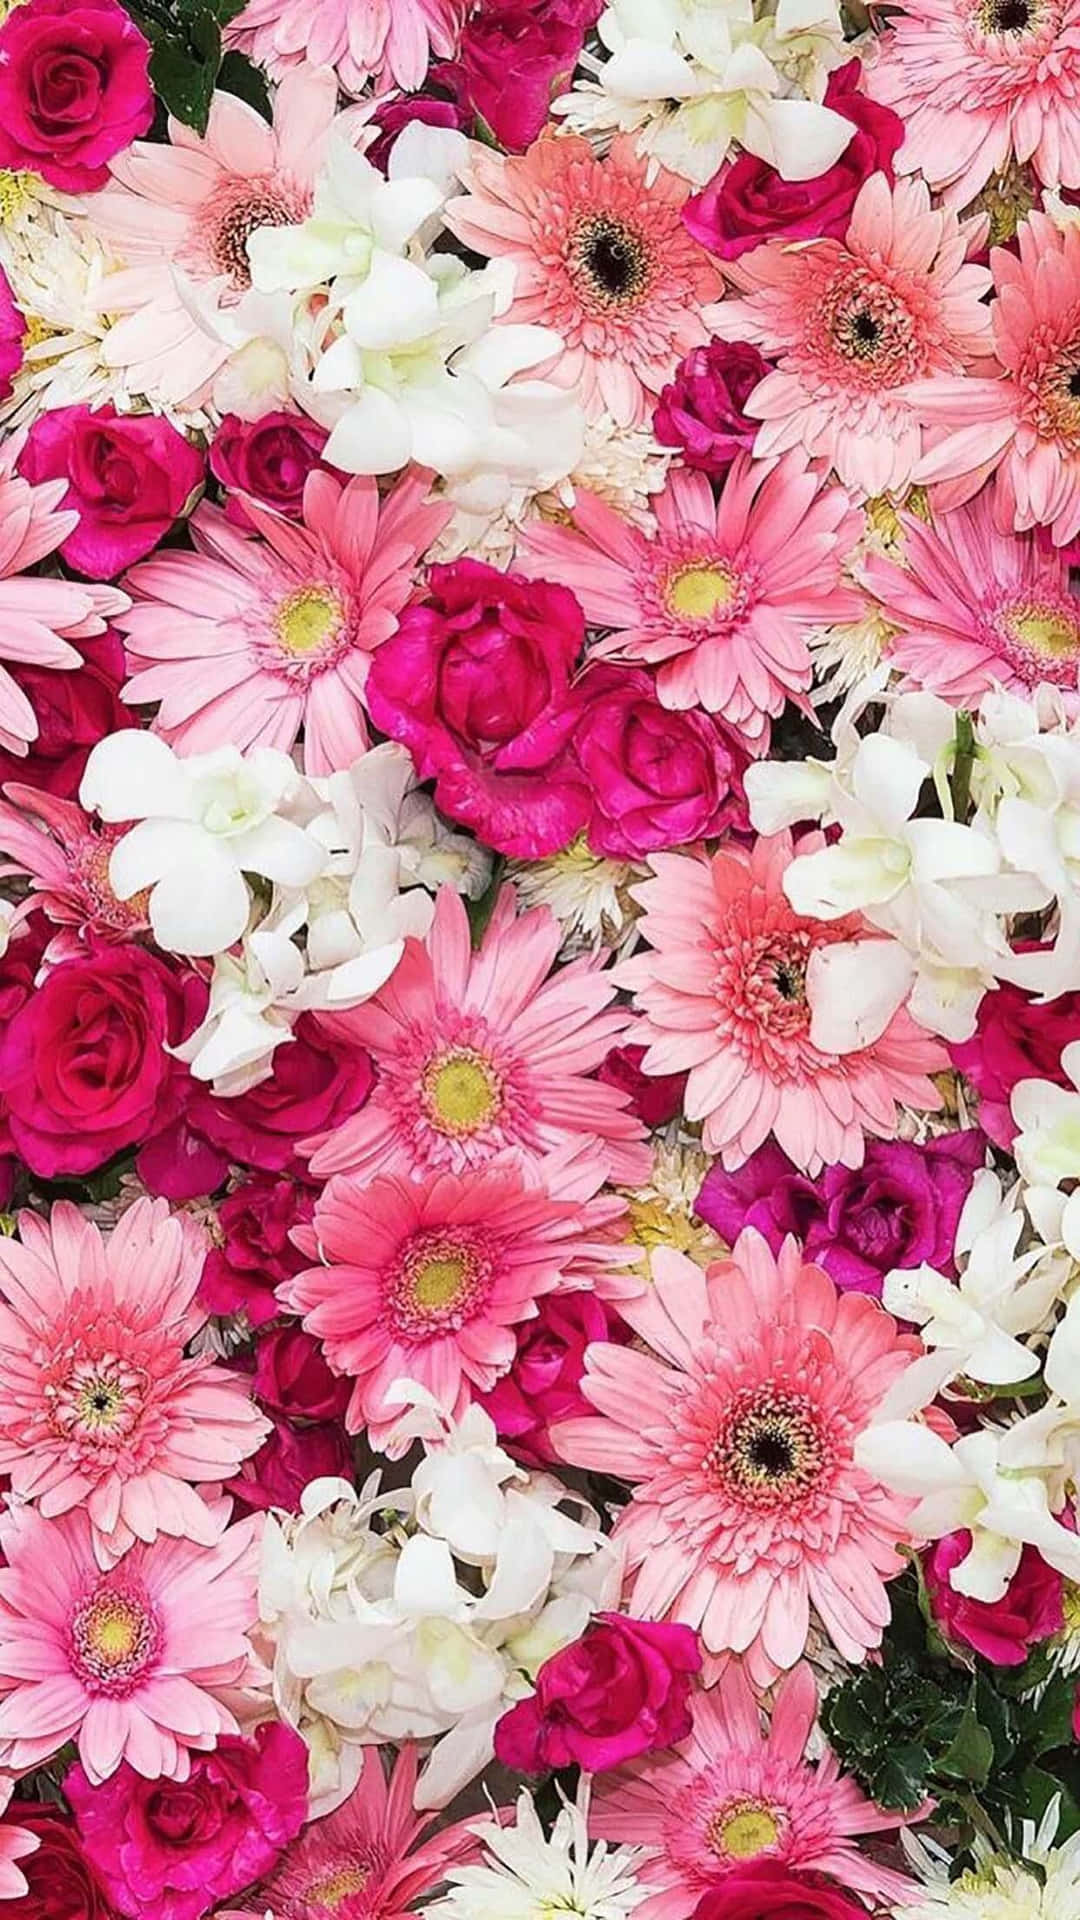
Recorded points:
(425, 1612)
(529, 1875)
(302, 891)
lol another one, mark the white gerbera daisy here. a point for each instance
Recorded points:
(529, 1876)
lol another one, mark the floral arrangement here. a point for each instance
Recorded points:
(540, 959)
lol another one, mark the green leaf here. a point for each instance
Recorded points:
(239, 76)
(480, 911)
(970, 1753)
(900, 1782)
(184, 74)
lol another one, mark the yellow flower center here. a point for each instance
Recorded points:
(336, 1887)
(742, 1829)
(16, 185)
(307, 621)
(1046, 632)
(700, 592)
(437, 1283)
(462, 1091)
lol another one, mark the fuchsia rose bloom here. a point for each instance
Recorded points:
(293, 1379)
(74, 89)
(656, 778)
(61, 1879)
(702, 410)
(288, 1460)
(1005, 1630)
(167, 1849)
(270, 458)
(74, 711)
(623, 1689)
(656, 1098)
(1016, 1038)
(395, 115)
(748, 202)
(316, 1084)
(12, 331)
(543, 1384)
(769, 1892)
(84, 1069)
(256, 1253)
(476, 684)
(129, 476)
(538, 42)
(900, 1209)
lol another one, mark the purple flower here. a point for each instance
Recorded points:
(899, 1209)
(702, 410)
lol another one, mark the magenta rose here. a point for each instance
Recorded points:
(62, 1884)
(74, 711)
(538, 42)
(316, 1083)
(293, 1379)
(623, 1689)
(395, 115)
(268, 458)
(656, 1098)
(476, 683)
(1015, 1039)
(899, 1209)
(543, 1384)
(128, 475)
(702, 410)
(657, 779)
(12, 332)
(748, 202)
(74, 89)
(256, 1253)
(170, 1849)
(1005, 1630)
(289, 1458)
(771, 1892)
(84, 1066)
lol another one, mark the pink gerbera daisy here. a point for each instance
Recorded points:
(15, 1844)
(851, 324)
(135, 1663)
(979, 83)
(65, 855)
(182, 212)
(482, 1053)
(723, 594)
(1025, 421)
(245, 642)
(731, 1794)
(100, 1407)
(738, 1430)
(976, 608)
(426, 1279)
(369, 1859)
(724, 991)
(600, 254)
(39, 615)
(386, 40)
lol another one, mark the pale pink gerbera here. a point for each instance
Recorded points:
(426, 1279)
(386, 40)
(976, 608)
(723, 595)
(979, 83)
(724, 994)
(851, 323)
(15, 1844)
(731, 1794)
(137, 1663)
(100, 1407)
(600, 254)
(182, 212)
(369, 1860)
(738, 1431)
(65, 855)
(245, 642)
(483, 1053)
(39, 615)
(1024, 422)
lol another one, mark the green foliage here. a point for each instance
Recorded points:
(186, 61)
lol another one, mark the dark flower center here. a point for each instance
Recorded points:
(1008, 16)
(612, 260)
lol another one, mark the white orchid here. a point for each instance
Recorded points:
(1047, 1146)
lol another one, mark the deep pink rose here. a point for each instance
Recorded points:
(256, 1253)
(476, 682)
(1015, 1039)
(748, 202)
(655, 1097)
(623, 1689)
(170, 1849)
(395, 115)
(702, 410)
(74, 711)
(287, 1460)
(1004, 1630)
(129, 476)
(544, 1381)
(899, 1209)
(12, 332)
(657, 779)
(62, 1883)
(536, 43)
(84, 1069)
(772, 1892)
(293, 1379)
(268, 458)
(316, 1083)
(74, 89)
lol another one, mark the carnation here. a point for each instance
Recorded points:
(255, 1251)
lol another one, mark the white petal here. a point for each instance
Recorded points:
(134, 776)
(200, 915)
(153, 849)
(373, 436)
(803, 139)
(279, 850)
(909, 1458)
(853, 990)
(396, 305)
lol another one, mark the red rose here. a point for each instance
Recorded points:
(74, 711)
(1005, 1630)
(287, 1460)
(256, 1253)
(770, 1892)
(268, 458)
(83, 1065)
(74, 89)
(293, 1379)
(62, 1883)
(748, 202)
(315, 1085)
(655, 1097)
(129, 475)
(623, 1689)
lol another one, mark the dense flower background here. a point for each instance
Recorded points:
(540, 959)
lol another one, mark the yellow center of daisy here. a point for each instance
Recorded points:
(308, 620)
(334, 1888)
(113, 1639)
(697, 593)
(438, 1283)
(462, 1091)
(1046, 631)
(742, 1829)
(16, 185)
